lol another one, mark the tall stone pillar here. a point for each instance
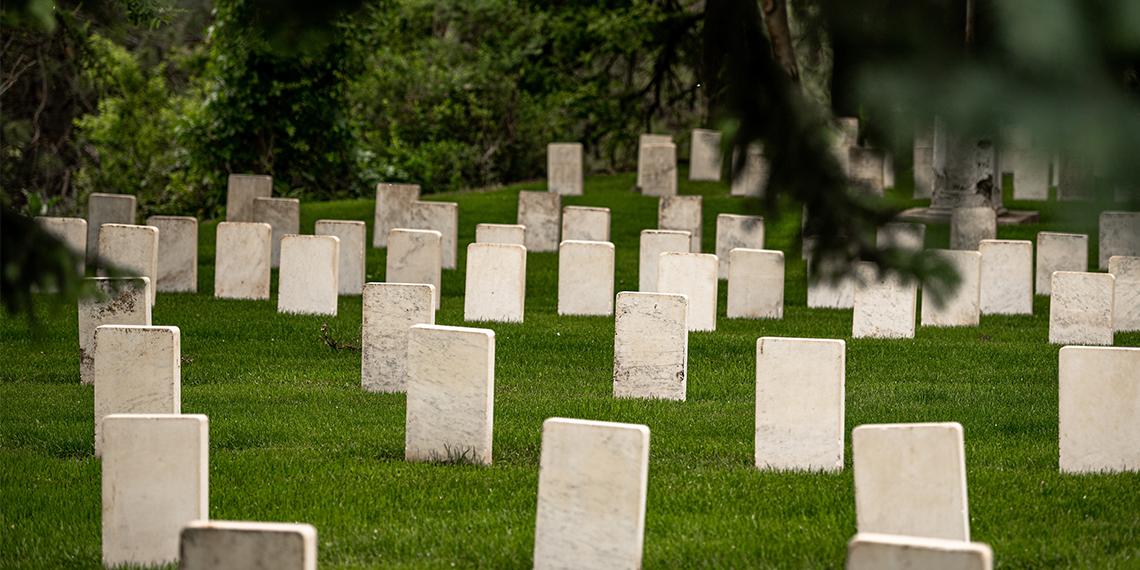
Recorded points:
(966, 172)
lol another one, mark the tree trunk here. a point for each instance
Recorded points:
(776, 19)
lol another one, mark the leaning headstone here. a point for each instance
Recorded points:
(593, 478)
(910, 479)
(495, 289)
(414, 257)
(390, 311)
(826, 293)
(155, 477)
(1080, 309)
(1007, 277)
(308, 280)
(884, 304)
(125, 302)
(1126, 293)
(350, 277)
(643, 141)
(283, 215)
(541, 215)
(442, 217)
(968, 226)
(651, 345)
(752, 179)
(1059, 252)
(393, 210)
(755, 284)
(586, 278)
(72, 232)
(451, 394)
(908, 237)
(241, 262)
(512, 234)
(138, 370)
(733, 231)
(683, 214)
(241, 190)
(705, 157)
(583, 223)
(923, 163)
(799, 403)
(1119, 235)
(106, 209)
(564, 168)
(177, 253)
(1075, 178)
(659, 170)
(653, 244)
(245, 545)
(962, 308)
(865, 166)
(131, 248)
(1099, 409)
(693, 275)
(873, 551)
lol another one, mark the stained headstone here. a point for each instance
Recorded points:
(241, 262)
(1119, 235)
(693, 275)
(1059, 252)
(72, 232)
(125, 302)
(442, 217)
(659, 170)
(177, 253)
(705, 157)
(682, 213)
(865, 166)
(133, 249)
(495, 289)
(651, 345)
(799, 403)
(106, 209)
(414, 257)
(564, 173)
(586, 278)
(583, 223)
(283, 215)
(755, 284)
(643, 141)
(241, 190)
(390, 311)
(1075, 178)
(733, 231)
(310, 270)
(923, 163)
(541, 214)
(968, 226)
(512, 234)
(393, 210)
(138, 370)
(962, 308)
(752, 179)
(1126, 293)
(905, 236)
(884, 304)
(1007, 277)
(244, 545)
(350, 276)
(873, 551)
(1080, 309)
(653, 244)
(1098, 409)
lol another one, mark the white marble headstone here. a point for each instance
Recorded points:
(586, 278)
(873, 551)
(350, 278)
(390, 311)
(106, 209)
(800, 403)
(1119, 235)
(1007, 277)
(968, 226)
(283, 215)
(1099, 409)
(651, 346)
(584, 223)
(658, 170)
(682, 213)
(495, 289)
(500, 233)
(752, 179)
(72, 232)
(131, 248)
(541, 215)
(564, 173)
(962, 308)
(1126, 293)
(884, 304)
(124, 303)
(442, 217)
(1080, 309)
(755, 284)
(414, 257)
(241, 260)
(653, 244)
(177, 253)
(246, 545)
(241, 189)
(1059, 252)
(692, 275)
(309, 277)
(393, 210)
(733, 231)
(705, 156)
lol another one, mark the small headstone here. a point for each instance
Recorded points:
(924, 163)
(1030, 174)
(511, 234)
(755, 284)
(659, 170)
(651, 345)
(1119, 235)
(963, 307)
(308, 280)
(155, 477)
(693, 275)
(1059, 252)
(541, 214)
(138, 370)
(241, 190)
(131, 248)
(865, 166)
(910, 479)
(1075, 178)
(582, 223)
(243, 545)
(1126, 293)
(753, 177)
(683, 214)
(824, 293)
(390, 311)
(241, 262)
(799, 403)
(968, 226)
(125, 303)
(177, 253)
(451, 394)
(106, 209)
(72, 232)
(1007, 277)
(586, 278)
(888, 169)
(884, 304)
(643, 141)
(495, 289)
(873, 551)
(592, 485)
(564, 172)
(393, 210)
(442, 217)
(705, 157)
(350, 279)
(1080, 309)
(414, 257)
(284, 216)
(905, 236)
(653, 244)
(733, 231)
(1099, 409)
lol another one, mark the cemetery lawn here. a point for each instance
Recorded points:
(294, 438)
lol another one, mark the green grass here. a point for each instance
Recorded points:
(294, 438)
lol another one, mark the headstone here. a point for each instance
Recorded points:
(1030, 174)
(586, 278)
(512, 234)
(241, 190)
(1007, 277)
(755, 284)
(905, 236)
(564, 172)
(390, 312)
(133, 249)
(1080, 310)
(825, 293)
(495, 289)
(752, 179)
(884, 304)
(643, 141)
(308, 280)
(684, 214)
(125, 302)
(866, 167)
(653, 244)
(284, 216)
(733, 231)
(442, 217)
(106, 209)
(242, 545)
(968, 226)
(582, 223)
(693, 275)
(962, 308)
(888, 169)
(799, 403)
(1014, 138)
(393, 210)
(593, 479)
(451, 394)
(705, 157)
(659, 170)
(1099, 409)
(414, 257)
(541, 214)
(910, 479)
(873, 551)
(1126, 293)
(72, 232)
(155, 478)
(177, 253)
(1075, 178)
(1119, 235)
(923, 163)
(651, 345)
(849, 127)
(1059, 252)
(241, 262)
(138, 370)
(350, 276)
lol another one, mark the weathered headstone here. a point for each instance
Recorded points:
(308, 280)
(1119, 235)
(1075, 178)
(968, 226)
(177, 253)
(651, 345)
(1059, 252)
(1126, 293)
(873, 551)
(753, 177)
(905, 236)
(72, 232)
(241, 262)
(442, 217)
(125, 302)
(962, 308)
(1030, 174)
(393, 210)
(564, 173)
(138, 370)
(693, 275)
(495, 289)
(733, 231)
(884, 304)
(865, 166)
(755, 284)
(106, 209)
(1080, 309)
(643, 141)
(653, 244)
(451, 394)
(350, 278)
(241, 190)
(131, 248)
(583, 223)
(284, 216)
(825, 293)
(1007, 277)
(799, 403)
(541, 214)
(888, 169)
(705, 156)
(245, 545)
(414, 257)
(593, 479)
(390, 311)
(512, 234)
(586, 278)
(923, 163)
(682, 213)
(659, 170)
(1098, 408)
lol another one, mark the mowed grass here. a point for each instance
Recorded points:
(294, 438)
